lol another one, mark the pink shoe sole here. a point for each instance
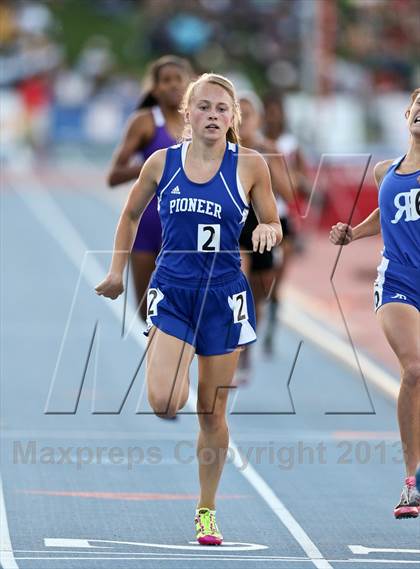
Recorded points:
(406, 512)
(209, 540)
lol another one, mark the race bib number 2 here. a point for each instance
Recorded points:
(208, 238)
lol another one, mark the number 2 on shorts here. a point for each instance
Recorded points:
(240, 308)
(208, 237)
(153, 297)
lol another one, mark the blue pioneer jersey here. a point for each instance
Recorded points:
(399, 205)
(201, 222)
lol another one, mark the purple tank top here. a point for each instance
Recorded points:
(161, 139)
(149, 233)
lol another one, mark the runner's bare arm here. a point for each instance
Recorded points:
(139, 131)
(372, 224)
(254, 170)
(343, 234)
(369, 226)
(140, 195)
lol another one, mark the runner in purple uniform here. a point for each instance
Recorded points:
(156, 124)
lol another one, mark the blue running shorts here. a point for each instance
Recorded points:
(397, 283)
(214, 318)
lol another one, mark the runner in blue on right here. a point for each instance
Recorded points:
(397, 287)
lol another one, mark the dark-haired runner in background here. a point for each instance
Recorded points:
(156, 124)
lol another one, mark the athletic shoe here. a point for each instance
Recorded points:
(206, 528)
(410, 500)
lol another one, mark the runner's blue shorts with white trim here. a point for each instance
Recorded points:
(215, 318)
(397, 283)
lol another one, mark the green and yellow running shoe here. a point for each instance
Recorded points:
(205, 525)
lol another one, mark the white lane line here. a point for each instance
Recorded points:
(380, 561)
(220, 558)
(181, 555)
(193, 545)
(159, 558)
(222, 555)
(7, 558)
(280, 510)
(72, 542)
(362, 550)
(53, 220)
(296, 318)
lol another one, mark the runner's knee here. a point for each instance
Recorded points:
(163, 405)
(211, 422)
(411, 374)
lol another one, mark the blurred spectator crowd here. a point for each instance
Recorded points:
(341, 64)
